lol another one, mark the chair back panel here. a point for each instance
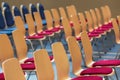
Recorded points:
(75, 52)
(6, 50)
(31, 24)
(20, 44)
(98, 14)
(12, 70)
(62, 12)
(61, 60)
(87, 47)
(43, 65)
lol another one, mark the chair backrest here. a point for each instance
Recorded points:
(61, 61)
(87, 47)
(43, 65)
(49, 19)
(20, 44)
(103, 10)
(56, 17)
(32, 9)
(31, 24)
(20, 24)
(71, 10)
(116, 29)
(94, 18)
(6, 50)
(98, 14)
(2, 21)
(118, 19)
(24, 11)
(12, 70)
(83, 21)
(76, 56)
(89, 20)
(5, 4)
(62, 12)
(15, 11)
(67, 27)
(8, 17)
(77, 26)
(38, 21)
(40, 8)
(108, 12)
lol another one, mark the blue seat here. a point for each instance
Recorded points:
(24, 11)
(32, 9)
(6, 32)
(5, 4)
(2, 22)
(8, 17)
(16, 11)
(41, 10)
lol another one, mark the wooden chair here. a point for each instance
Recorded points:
(62, 63)
(14, 67)
(43, 65)
(62, 12)
(31, 30)
(21, 47)
(88, 55)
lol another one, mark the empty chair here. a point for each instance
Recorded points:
(43, 65)
(21, 47)
(15, 11)
(31, 30)
(62, 64)
(24, 11)
(8, 17)
(88, 55)
(5, 4)
(32, 9)
(14, 71)
(56, 18)
(76, 57)
(40, 9)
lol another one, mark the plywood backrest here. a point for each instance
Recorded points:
(43, 65)
(87, 47)
(61, 61)
(97, 11)
(12, 70)
(6, 50)
(20, 44)
(31, 24)
(38, 21)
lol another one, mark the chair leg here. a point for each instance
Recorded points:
(29, 75)
(117, 78)
(31, 44)
(41, 43)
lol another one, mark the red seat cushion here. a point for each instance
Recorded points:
(78, 38)
(53, 30)
(31, 60)
(96, 70)
(96, 32)
(30, 66)
(45, 33)
(93, 35)
(35, 37)
(2, 76)
(88, 78)
(107, 63)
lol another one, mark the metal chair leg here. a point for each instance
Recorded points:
(41, 43)
(31, 44)
(117, 78)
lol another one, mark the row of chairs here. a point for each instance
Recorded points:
(7, 15)
(45, 71)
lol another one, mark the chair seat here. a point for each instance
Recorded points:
(88, 78)
(2, 76)
(35, 37)
(96, 32)
(45, 33)
(93, 35)
(28, 66)
(53, 30)
(97, 70)
(78, 38)
(107, 63)
(31, 60)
